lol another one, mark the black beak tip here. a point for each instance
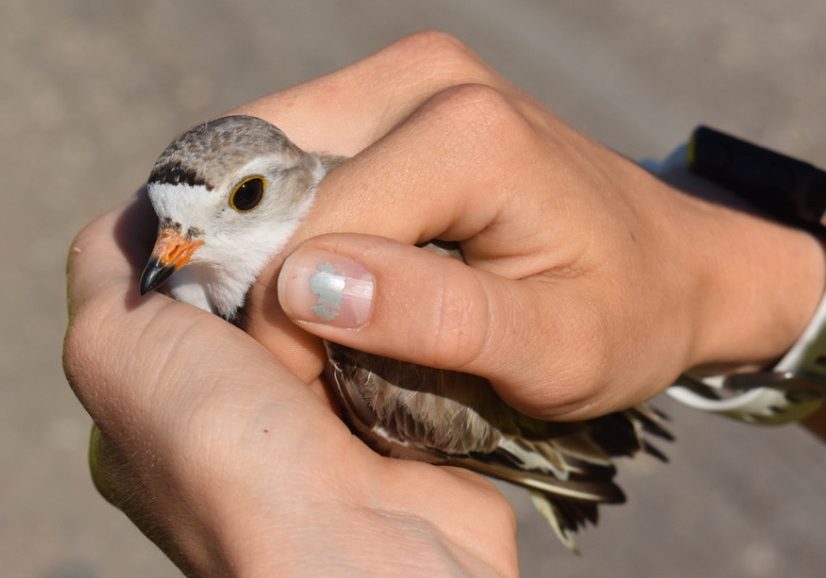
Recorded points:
(154, 275)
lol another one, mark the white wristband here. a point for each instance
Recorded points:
(792, 391)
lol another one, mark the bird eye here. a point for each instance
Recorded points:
(247, 194)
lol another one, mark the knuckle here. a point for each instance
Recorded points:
(473, 101)
(438, 60)
(435, 44)
(484, 119)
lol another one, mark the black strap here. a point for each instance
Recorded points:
(788, 189)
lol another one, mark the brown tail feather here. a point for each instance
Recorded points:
(604, 491)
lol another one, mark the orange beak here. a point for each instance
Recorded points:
(171, 252)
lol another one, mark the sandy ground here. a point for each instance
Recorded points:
(91, 91)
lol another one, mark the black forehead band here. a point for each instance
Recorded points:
(174, 173)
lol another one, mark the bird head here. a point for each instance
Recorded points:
(228, 194)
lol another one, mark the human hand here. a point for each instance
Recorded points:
(591, 284)
(621, 283)
(229, 462)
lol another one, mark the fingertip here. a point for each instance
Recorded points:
(114, 246)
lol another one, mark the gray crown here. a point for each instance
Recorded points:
(205, 154)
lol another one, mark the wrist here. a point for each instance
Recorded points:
(761, 283)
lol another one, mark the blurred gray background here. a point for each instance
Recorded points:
(91, 91)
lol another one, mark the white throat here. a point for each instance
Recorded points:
(220, 277)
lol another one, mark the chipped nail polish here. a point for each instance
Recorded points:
(326, 288)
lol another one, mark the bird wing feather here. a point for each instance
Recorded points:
(415, 412)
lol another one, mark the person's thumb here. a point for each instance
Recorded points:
(404, 302)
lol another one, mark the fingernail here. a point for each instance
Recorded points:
(325, 288)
